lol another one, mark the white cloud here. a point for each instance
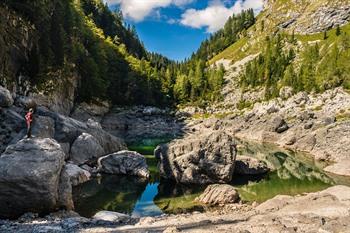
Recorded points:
(216, 14)
(137, 10)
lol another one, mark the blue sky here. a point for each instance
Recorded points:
(175, 28)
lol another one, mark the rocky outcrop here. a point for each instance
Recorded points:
(137, 123)
(85, 148)
(307, 17)
(12, 126)
(17, 39)
(200, 159)
(124, 163)
(95, 111)
(67, 130)
(219, 194)
(250, 166)
(341, 168)
(324, 18)
(5, 97)
(76, 174)
(43, 127)
(88, 140)
(325, 211)
(31, 177)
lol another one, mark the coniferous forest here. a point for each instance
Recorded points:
(113, 64)
(87, 37)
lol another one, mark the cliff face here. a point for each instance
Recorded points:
(17, 41)
(306, 16)
(64, 51)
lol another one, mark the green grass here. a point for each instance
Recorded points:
(343, 116)
(221, 115)
(317, 108)
(234, 52)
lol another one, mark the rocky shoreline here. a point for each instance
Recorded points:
(325, 211)
(317, 124)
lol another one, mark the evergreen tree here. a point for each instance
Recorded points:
(337, 31)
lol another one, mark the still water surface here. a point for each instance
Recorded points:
(292, 174)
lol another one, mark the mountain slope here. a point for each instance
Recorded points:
(66, 51)
(298, 44)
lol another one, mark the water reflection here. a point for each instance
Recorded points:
(145, 205)
(113, 193)
(176, 198)
(290, 174)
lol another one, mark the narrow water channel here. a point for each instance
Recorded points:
(291, 174)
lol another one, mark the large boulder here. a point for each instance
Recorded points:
(30, 178)
(43, 127)
(250, 166)
(124, 163)
(76, 174)
(219, 194)
(199, 159)
(85, 148)
(12, 127)
(6, 99)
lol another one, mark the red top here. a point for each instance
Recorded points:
(29, 117)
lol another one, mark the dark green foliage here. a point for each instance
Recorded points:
(325, 36)
(337, 31)
(268, 69)
(220, 40)
(88, 36)
(318, 71)
(192, 81)
(113, 26)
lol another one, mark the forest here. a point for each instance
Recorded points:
(110, 59)
(318, 67)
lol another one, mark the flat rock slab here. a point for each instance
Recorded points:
(218, 194)
(111, 216)
(341, 168)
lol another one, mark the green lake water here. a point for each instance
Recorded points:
(291, 174)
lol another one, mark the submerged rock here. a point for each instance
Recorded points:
(199, 159)
(30, 178)
(124, 163)
(250, 166)
(218, 194)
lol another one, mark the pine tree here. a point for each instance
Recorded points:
(325, 36)
(338, 31)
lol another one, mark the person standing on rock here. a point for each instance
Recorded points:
(29, 120)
